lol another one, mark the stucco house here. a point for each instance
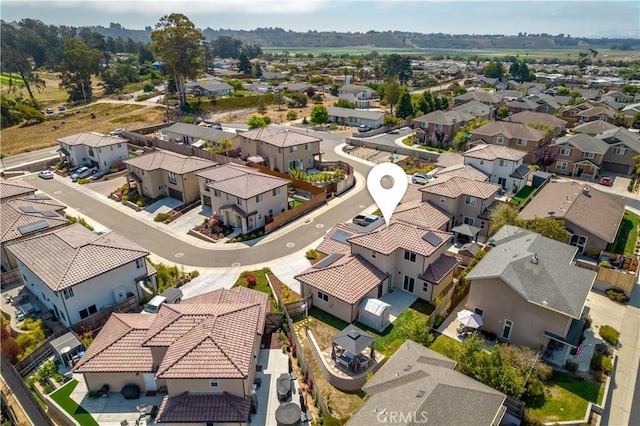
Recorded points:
(579, 155)
(597, 113)
(444, 123)
(360, 96)
(477, 109)
(570, 112)
(623, 147)
(503, 165)
(593, 128)
(191, 134)
(545, 119)
(281, 149)
(592, 217)
(355, 117)
(201, 352)
(166, 173)
(528, 292)
(94, 150)
(512, 135)
(76, 273)
(463, 170)
(14, 188)
(482, 96)
(25, 217)
(241, 196)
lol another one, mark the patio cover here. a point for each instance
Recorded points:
(63, 151)
(68, 340)
(465, 229)
(353, 339)
(288, 414)
(573, 336)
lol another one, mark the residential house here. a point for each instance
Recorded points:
(591, 217)
(203, 352)
(281, 149)
(597, 113)
(463, 170)
(288, 86)
(623, 147)
(540, 118)
(522, 104)
(227, 73)
(502, 164)
(512, 135)
(439, 127)
(578, 155)
(241, 196)
(477, 109)
(25, 217)
(336, 240)
(593, 128)
(76, 273)
(448, 159)
(190, 134)
(570, 113)
(355, 117)
(209, 87)
(528, 292)
(424, 214)
(94, 150)
(15, 188)
(534, 103)
(466, 199)
(422, 386)
(360, 96)
(482, 96)
(510, 95)
(166, 173)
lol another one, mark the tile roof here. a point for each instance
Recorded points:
(387, 239)
(422, 213)
(349, 278)
(494, 152)
(335, 241)
(79, 255)
(598, 212)
(448, 159)
(421, 382)
(413, 193)
(439, 269)
(16, 213)
(583, 142)
(593, 127)
(279, 138)
(92, 139)
(170, 162)
(510, 130)
(204, 408)
(537, 117)
(118, 347)
(537, 268)
(240, 181)
(447, 118)
(14, 188)
(454, 186)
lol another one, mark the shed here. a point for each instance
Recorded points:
(374, 313)
(539, 178)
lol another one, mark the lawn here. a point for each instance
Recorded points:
(445, 345)
(568, 401)
(6, 77)
(627, 235)
(63, 397)
(523, 195)
(261, 284)
(294, 203)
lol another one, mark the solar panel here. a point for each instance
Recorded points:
(432, 239)
(328, 260)
(340, 236)
(28, 209)
(49, 214)
(33, 227)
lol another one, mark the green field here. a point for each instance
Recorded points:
(6, 77)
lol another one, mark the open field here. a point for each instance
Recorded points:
(51, 95)
(6, 77)
(109, 116)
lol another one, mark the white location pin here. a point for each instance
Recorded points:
(387, 199)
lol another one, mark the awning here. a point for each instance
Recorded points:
(237, 210)
(255, 159)
(134, 177)
(63, 151)
(465, 229)
(573, 336)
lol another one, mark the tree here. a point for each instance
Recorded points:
(405, 108)
(226, 47)
(392, 92)
(279, 99)
(398, 66)
(493, 70)
(297, 100)
(256, 71)
(502, 112)
(635, 122)
(244, 65)
(310, 91)
(292, 115)
(78, 65)
(343, 103)
(179, 44)
(317, 98)
(543, 157)
(390, 121)
(319, 114)
(262, 106)
(255, 122)
(15, 59)
(548, 227)
(226, 145)
(562, 91)
(503, 215)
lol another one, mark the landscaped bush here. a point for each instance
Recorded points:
(601, 362)
(148, 86)
(78, 219)
(609, 334)
(604, 264)
(194, 274)
(536, 388)
(312, 254)
(438, 321)
(143, 97)
(47, 389)
(617, 295)
(161, 217)
(571, 366)
(251, 280)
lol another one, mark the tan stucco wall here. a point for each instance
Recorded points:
(158, 354)
(116, 381)
(233, 386)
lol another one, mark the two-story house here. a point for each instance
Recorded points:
(477, 109)
(512, 135)
(242, 196)
(482, 96)
(502, 164)
(597, 113)
(14, 188)
(542, 118)
(94, 150)
(593, 128)
(579, 155)
(166, 173)
(281, 149)
(190, 134)
(202, 352)
(570, 113)
(439, 126)
(361, 96)
(623, 147)
(76, 273)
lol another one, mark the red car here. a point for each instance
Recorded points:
(606, 180)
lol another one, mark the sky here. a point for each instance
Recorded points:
(579, 18)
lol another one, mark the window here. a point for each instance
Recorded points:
(373, 254)
(482, 224)
(522, 142)
(100, 149)
(105, 163)
(323, 296)
(239, 201)
(589, 155)
(470, 200)
(502, 163)
(619, 151)
(258, 198)
(579, 241)
(438, 127)
(172, 178)
(213, 383)
(506, 329)
(425, 286)
(478, 311)
(293, 149)
(88, 311)
(275, 192)
(500, 140)
(410, 256)
(119, 145)
(468, 221)
(545, 108)
(139, 263)
(67, 292)
(160, 187)
(216, 193)
(561, 165)
(90, 152)
(442, 199)
(603, 118)
(307, 146)
(409, 284)
(565, 152)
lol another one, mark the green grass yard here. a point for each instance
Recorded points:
(627, 235)
(63, 398)
(445, 345)
(261, 284)
(523, 195)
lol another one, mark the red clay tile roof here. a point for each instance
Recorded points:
(170, 162)
(241, 181)
(386, 240)
(279, 138)
(118, 348)
(14, 187)
(463, 170)
(349, 278)
(413, 193)
(422, 213)
(335, 240)
(493, 152)
(203, 408)
(454, 186)
(439, 269)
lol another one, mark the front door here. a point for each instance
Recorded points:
(408, 284)
(149, 382)
(506, 329)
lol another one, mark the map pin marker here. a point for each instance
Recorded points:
(387, 199)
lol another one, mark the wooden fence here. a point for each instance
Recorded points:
(514, 406)
(27, 364)
(11, 278)
(97, 321)
(619, 279)
(298, 184)
(294, 213)
(443, 306)
(22, 394)
(296, 308)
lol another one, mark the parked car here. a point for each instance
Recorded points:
(365, 220)
(62, 108)
(421, 178)
(116, 132)
(45, 174)
(49, 111)
(364, 128)
(606, 180)
(82, 172)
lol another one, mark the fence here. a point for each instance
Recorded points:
(419, 153)
(296, 183)
(97, 321)
(10, 278)
(27, 364)
(514, 407)
(33, 167)
(296, 308)
(443, 307)
(294, 213)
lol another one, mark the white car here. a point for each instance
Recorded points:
(45, 174)
(421, 178)
(116, 132)
(82, 172)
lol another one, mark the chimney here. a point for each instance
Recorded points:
(586, 190)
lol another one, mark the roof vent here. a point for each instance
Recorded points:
(420, 394)
(534, 259)
(586, 190)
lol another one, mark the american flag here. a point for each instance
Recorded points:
(579, 351)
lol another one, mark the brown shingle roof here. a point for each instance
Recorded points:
(480, 96)
(170, 162)
(349, 278)
(591, 112)
(510, 130)
(598, 213)
(92, 139)
(14, 188)
(454, 186)
(241, 181)
(74, 254)
(494, 152)
(386, 240)
(204, 408)
(14, 214)
(594, 127)
(118, 347)
(463, 170)
(422, 213)
(279, 138)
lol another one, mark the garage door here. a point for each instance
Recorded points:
(175, 194)
(206, 200)
(616, 168)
